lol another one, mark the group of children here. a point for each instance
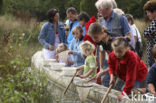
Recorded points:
(123, 63)
(80, 53)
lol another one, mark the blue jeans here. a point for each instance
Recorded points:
(106, 78)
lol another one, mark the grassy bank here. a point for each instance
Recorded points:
(18, 42)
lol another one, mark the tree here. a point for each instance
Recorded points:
(89, 7)
(134, 7)
(1, 3)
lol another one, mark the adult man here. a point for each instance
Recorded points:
(72, 16)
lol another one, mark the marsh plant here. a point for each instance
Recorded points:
(18, 82)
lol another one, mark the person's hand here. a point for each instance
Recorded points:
(70, 52)
(99, 74)
(51, 47)
(57, 57)
(82, 76)
(120, 97)
(112, 80)
(153, 92)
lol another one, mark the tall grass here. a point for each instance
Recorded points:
(9, 23)
(18, 82)
(142, 25)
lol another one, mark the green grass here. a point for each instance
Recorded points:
(19, 84)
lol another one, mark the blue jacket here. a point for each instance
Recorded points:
(78, 59)
(151, 77)
(47, 34)
(70, 34)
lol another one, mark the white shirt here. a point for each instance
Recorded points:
(135, 32)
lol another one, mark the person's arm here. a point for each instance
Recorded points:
(111, 64)
(42, 37)
(152, 89)
(131, 70)
(135, 39)
(150, 31)
(151, 78)
(101, 73)
(87, 74)
(102, 56)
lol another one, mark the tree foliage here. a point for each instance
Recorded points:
(38, 8)
(134, 7)
(89, 7)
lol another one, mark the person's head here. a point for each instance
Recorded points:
(153, 52)
(105, 7)
(87, 48)
(130, 19)
(119, 11)
(61, 47)
(97, 32)
(120, 45)
(83, 18)
(71, 13)
(66, 30)
(53, 15)
(150, 8)
(78, 32)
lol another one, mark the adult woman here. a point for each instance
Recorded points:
(52, 33)
(150, 32)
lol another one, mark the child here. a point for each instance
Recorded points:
(63, 48)
(125, 64)
(90, 62)
(78, 59)
(83, 18)
(99, 35)
(151, 78)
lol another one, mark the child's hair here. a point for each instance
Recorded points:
(79, 28)
(66, 28)
(83, 16)
(71, 10)
(87, 48)
(154, 51)
(121, 42)
(130, 18)
(73, 31)
(119, 11)
(61, 47)
(96, 28)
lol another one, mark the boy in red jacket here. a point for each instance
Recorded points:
(126, 65)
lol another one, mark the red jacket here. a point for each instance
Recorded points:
(131, 69)
(87, 37)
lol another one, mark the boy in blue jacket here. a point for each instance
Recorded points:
(78, 59)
